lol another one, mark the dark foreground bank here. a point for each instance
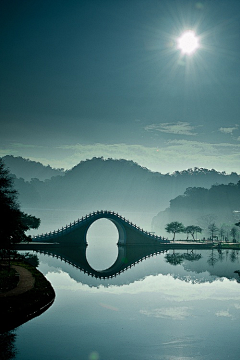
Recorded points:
(18, 309)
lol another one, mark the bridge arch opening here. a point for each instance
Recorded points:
(102, 238)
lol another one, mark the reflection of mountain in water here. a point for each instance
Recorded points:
(197, 267)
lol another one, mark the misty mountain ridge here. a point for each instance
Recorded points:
(118, 185)
(29, 169)
(200, 206)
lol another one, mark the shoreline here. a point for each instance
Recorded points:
(23, 303)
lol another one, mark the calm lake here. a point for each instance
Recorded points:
(175, 305)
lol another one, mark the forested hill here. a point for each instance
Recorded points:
(199, 206)
(118, 185)
(28, 169)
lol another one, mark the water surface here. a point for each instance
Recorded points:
(175, 305)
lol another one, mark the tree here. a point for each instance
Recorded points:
(213, 229)
(192, 229)
(13, 222)
(238, 223)
(174, 227)
(222, 232)
(30, 222)
(233, 233)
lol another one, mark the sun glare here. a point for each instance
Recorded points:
(188, 42)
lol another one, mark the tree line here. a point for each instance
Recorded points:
(176, 227)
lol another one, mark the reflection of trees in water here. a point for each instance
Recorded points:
(192, 257)
(212, 260)
(178, 258)
(7, 348)
(174, 259)
(227, 253)
(31, 259)
(233, 255)
(221, 255)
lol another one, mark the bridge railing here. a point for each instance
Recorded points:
(99, 274)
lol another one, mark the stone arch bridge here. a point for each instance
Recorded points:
(76, 232)
(69, 244)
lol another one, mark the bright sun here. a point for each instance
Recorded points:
(188, 42)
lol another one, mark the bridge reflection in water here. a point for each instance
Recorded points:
(134, 244)
(70, 244)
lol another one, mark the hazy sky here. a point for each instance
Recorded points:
(106, 78)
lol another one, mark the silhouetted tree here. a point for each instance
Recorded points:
(13, 222)
(213, 229)
(233, 233)
(222, 232)
(193, 229)
(174, 227)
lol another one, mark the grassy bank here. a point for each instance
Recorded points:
(16, 310)
(233, 246)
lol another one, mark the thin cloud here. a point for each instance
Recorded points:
(224, 313)
(179, 128)
(27, 146)
(228, 130)
(174, 313)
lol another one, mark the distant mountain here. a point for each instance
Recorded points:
(199, 206)
(28, 169)
(118, 185)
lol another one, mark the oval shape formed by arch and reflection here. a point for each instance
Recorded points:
(102, 250)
